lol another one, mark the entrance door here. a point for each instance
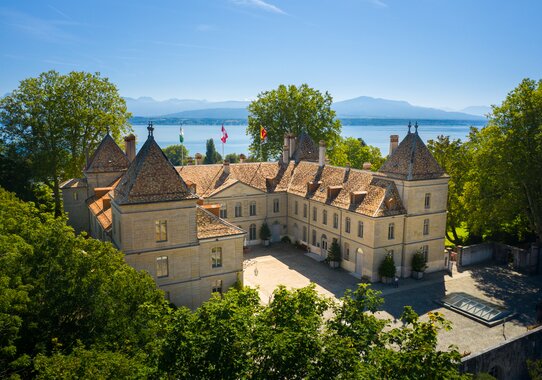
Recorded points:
(324, 246)
(359, 260)
(275, 232)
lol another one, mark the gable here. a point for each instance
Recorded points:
(236, 189)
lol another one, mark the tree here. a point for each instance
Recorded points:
(54, 121)
(211, 155)
(453, 157)
(232, 158)
(291, 109)
(356, 152)
(506, 190)
(175, 153)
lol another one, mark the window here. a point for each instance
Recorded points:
(223, 211)
(162, 269)
(304, 233)
(346, 251)
(391, 231)
(252, 232)
(252, 209)
(304, 210)
(425, 252)
(360, 229)
(347, 225)
(216, 257)
(75, 196)
(238, 210)
(217, 286)
(160, 232)
(314, 214)
(426, 227)
(324, 217)
(313, 237)
(276, 205)
(335, 220)
(296, 208)
(427, 202)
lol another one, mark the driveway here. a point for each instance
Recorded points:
(268, 267)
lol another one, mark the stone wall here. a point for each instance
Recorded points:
(508, 360)
(522, 260)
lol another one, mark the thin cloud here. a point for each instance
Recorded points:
(378, 3)
(260, 4)
(45, 30)
(58, 11)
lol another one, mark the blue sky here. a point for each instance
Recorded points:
(440, 53)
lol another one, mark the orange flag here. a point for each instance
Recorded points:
(263, 133)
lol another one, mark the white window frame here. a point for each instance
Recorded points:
(391, 231)
(160, 230)
(162, 267)
(216, 257)
(238, 210)
(252, 208)
(426, 227)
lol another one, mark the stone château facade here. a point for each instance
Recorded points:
(200, 208)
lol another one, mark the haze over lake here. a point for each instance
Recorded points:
(374, 132)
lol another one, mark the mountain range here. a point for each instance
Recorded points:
(360, 107)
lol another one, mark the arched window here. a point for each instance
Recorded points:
(238, 210)
(252, 209)
(391, 231)
(252, 232)
(335, 220)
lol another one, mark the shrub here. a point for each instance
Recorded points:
(334, 253)
(387, 268)
(418, 262)
(265, 232)
(286, 239)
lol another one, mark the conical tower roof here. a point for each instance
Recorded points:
(411, 160)
(306, 149)
(108, 157)
(151, 178)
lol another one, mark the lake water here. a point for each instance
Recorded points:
(374, 132)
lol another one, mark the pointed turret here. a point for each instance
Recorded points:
(107, 158)
(411, 160)
(151, 178)
(306, 149)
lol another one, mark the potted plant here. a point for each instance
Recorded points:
(265, 234)
(418, 265)
(387, 269)
(334, 255)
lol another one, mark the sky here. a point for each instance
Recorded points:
(438, 53)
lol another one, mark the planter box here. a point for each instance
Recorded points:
(387, 280)
(417, 275)
(334, 264)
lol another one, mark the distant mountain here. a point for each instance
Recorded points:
(362, 107)
(367, 107)
(146, 106)
(477, 110)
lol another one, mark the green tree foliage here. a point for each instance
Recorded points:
(211, 155)
(334, 253)
(387, 266)
(60, 291)
(535, 369)
(291, 109)
(454, 157)
(52, 122)
(175, 153)
(505, 194)
(232, 158)
(356, 152)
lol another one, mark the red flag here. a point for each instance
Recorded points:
(263, 133)
(224, 134)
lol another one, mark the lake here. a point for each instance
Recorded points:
(374, 132)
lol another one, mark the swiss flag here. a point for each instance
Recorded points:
(224, 134)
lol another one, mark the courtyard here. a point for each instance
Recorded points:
(268, 267)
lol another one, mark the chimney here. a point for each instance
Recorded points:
(285, 154)
(356, 197)
(130, 147)
(347, 167)
(322, 153)
(197, 158)
(242, 158)
(226, 167)
(394, 141)
(292, 145)
(367, 166)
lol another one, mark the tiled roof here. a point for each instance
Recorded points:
(151, 178)
(411, 160)
(74, 183)
(211, 226)
(305, 149)
(101, 208)
(382, 198)
(108, 157)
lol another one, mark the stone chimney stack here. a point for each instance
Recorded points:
(130, 147)
(286, 149)
(394, 141)
(197, 158)
(242, 158)
(292, 145)
(322, 153)
(226, 167)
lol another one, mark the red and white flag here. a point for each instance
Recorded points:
(224, 134)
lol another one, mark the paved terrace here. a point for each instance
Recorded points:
(267, 267)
